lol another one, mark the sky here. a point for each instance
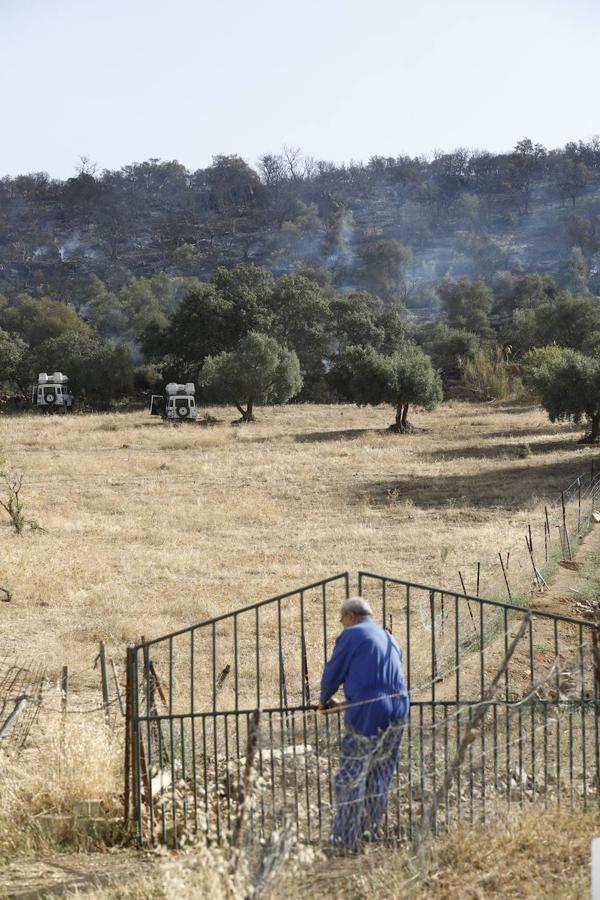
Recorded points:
(121, 82)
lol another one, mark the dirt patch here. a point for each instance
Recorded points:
(64, 875)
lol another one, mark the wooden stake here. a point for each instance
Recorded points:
(462, 581)
(469, 736)
(505, 576)
(117, 686)
(244, 785)
(64, 693)
(538, 578)
(564, 518)
(104, 680)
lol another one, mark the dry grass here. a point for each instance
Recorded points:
(60, 766)
(150, 527)
(533, 855)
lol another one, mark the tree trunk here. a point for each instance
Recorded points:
(594, 436)
(246, 414)
(401, 425)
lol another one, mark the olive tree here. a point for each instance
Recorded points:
(406, 376)
(260, 370)
(569, 389)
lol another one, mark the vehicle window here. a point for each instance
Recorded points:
(192, 402)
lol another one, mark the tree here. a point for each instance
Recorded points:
(569, 389)
(201, 325)
(99, 370)
(567, 321)
(524, 166)
(449, 348)
(103, 309)
(570, 173)
(247, 290)
(359, 319)
(402, 378)
(259, 371)
(577, 271)
(301, 318)
(384, 265)
(37, 320)
(356, 320)
(467, 304)
(14, 360)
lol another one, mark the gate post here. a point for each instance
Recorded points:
(136, 777)
(127, 792)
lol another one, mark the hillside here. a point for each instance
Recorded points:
(462, 213)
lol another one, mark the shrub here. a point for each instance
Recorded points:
(486, 376)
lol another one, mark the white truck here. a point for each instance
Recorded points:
(178, 403)
(52, 394)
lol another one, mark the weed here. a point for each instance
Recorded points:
(13, 504)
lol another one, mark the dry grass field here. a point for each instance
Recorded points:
(146, 527)
(149, 527)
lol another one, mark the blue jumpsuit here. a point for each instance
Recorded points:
(368, 662)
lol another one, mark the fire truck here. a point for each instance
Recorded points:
(51, 393)
(177, 404)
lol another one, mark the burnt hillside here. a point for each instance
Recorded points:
(462, 213)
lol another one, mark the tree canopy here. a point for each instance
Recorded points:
(259, 371)
(404, 377)
(569, 388)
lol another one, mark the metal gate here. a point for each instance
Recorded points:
(223, 714)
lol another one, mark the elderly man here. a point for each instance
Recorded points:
(368, 662)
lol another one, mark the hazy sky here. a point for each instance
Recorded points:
(125, 80)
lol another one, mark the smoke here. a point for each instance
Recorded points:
(74, 246)
(341, 237)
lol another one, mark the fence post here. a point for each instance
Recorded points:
(136, 769)
(104, 679)
(128, 786)
(64, 692)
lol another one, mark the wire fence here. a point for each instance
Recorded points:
(520, 568)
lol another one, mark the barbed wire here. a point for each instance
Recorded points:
(78, 712)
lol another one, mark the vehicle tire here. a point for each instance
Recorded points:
(183, 412)
(50, 398)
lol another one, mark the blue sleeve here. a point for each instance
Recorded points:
(335, 670)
